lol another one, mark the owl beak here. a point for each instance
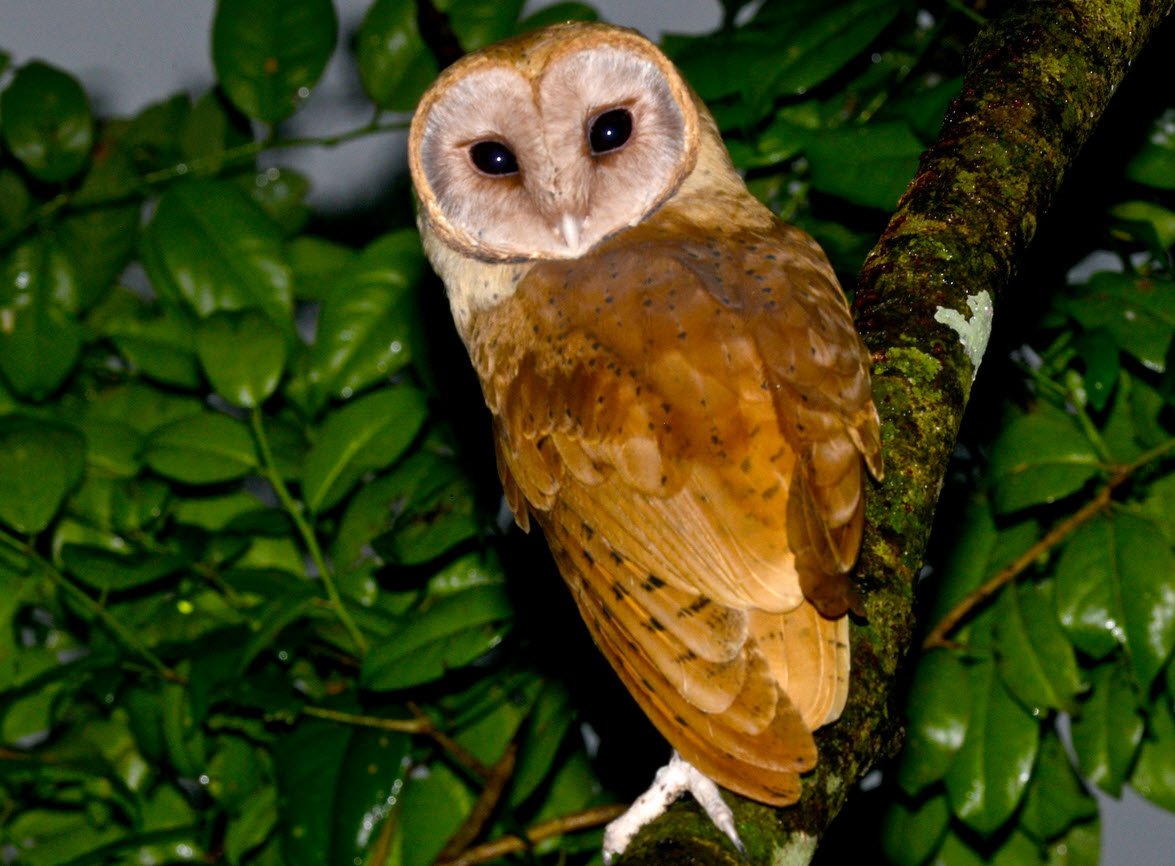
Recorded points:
(570, 228)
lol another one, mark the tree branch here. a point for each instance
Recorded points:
(1037, 83)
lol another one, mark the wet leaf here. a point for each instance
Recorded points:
(394, 63)
(987, 779)
(1137, 311)
(1107, 728)
(867, 165)
(42, 461)
(365, 435)
(371, 781)
(1039, 458)
(913, 830)
(938, 711)
(210, 248)
(446, 634)
(1034, 657)
(243, 355)
(268, 54)
(201, 449)
(1056, 798)
(46, 121)
(1114, 589)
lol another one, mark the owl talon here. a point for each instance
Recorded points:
(671, 781)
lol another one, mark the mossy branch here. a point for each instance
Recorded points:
(1038, 81)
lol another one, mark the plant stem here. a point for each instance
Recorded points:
(939, 635)
(588, 818)
(295, 509)
(124, 635)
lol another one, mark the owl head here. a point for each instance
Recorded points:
(541, 146)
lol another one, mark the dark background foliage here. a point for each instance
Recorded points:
(259, 605)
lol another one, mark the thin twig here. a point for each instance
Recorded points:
(122, 633)
(585, 820)
(295, 510)
(437, 33)
(483, 809)
(420, 724)
(939, 635)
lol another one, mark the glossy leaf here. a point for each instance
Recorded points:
(1108, 728)
(1033, 655)
(477, 24)
(1149, 222)
(866, 165)
(42, 339)
(1154, 773)
(1137, 311)
(1039, 458)
(434, 512)
(434, 805)
(158, 344)
(269, 53)
(316, 262)
(281, 193)
(42, 461)
(446, 634)
(1114, 588)
(394, 63)
(371, 779)
(1099, 351)
(987, 779)
(243, 355)
(913, 830)
(1154, 164)
(365, 435)
(550, 719)
(366, 325)
(201, 449)
(119, 571)
(938, 710)
(1056, 798)
(307, 784)
(46, 121)
(210, 248)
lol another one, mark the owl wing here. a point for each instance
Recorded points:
(637, 396)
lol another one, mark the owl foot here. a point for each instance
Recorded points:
(671, 781)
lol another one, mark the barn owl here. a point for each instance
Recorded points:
(679, 398)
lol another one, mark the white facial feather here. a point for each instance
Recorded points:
(564, 199)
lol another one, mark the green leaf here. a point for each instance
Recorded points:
(366, 328)
(913, 831)
(1154, 164)
(427, 508)
(1114, 588)
(1099, 353)
(307, 783)
(1015, 849)
(40, 340)
(46, 122)
(986, 781)
(371, 779)
(141, 407)
(1137, 311)
(115, 572)
(1056, 798)
(546, 728)
(15, 201)
(210, 248)
(1033, 655)
(445, 634)
(1149, 222)
(269, 53)
(42, 461)
(1040, 458)
(243, 355)
(316, 263)
(1154, 774)
(817, 45)
(364, 436)
(1107, 728)
(1081, 846)
(867, 165)
(938, 709)
(281, 193)
(477, 23)
(201, 449)
(394, 63)
(160, 347)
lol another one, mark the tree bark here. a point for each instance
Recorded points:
(1037, 83)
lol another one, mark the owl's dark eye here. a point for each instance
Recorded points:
(493, 158)
(610, 130)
